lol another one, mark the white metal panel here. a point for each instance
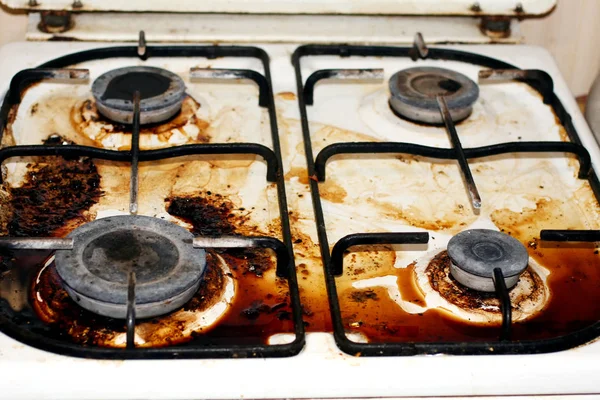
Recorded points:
(250, 28)
(394, 7)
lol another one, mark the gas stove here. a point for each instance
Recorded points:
(307, 220)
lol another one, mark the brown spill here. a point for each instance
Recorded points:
(333, 192)
(574, 283)
(408, 287)
(372, 313)
(261, 306)
(84, 327)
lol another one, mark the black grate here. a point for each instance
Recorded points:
(18, 327)
(332, 262)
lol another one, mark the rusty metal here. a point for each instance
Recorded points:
(496, 27)
(130, 343)
(55, 21)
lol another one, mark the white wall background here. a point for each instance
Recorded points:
(571, 33)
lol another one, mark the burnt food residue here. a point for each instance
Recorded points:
(55, 197)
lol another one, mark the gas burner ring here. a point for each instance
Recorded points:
(414, 91)
(95, 272)
(475, 253)
(161, 94)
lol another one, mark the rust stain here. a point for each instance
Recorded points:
(529, 222)
(418, 218)
(300, 173)
(333, 192)
(287, 95)
(332, 134)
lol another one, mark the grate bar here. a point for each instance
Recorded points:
(135, 156)
(198, 73)
(460, 154)
(238, 242)
(130, 343)
(505, 306)
(362, 74)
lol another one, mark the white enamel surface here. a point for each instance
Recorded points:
(454, 7)
(259, 28)
(321, 370)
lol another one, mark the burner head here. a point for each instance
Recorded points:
(414, 91)
(95, 273)
(475, 253)
(161, 94)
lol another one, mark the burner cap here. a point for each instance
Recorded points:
(475, 253)
(161, 94)
(95, 273)
(414, 91)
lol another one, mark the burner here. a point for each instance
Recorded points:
(95, 273)
(161, 94)
(443, 292)
(475, 253)
(414, 90)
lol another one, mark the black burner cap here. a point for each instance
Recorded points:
(161, 94)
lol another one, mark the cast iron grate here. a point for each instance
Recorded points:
(332, 261)
(19, 327)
